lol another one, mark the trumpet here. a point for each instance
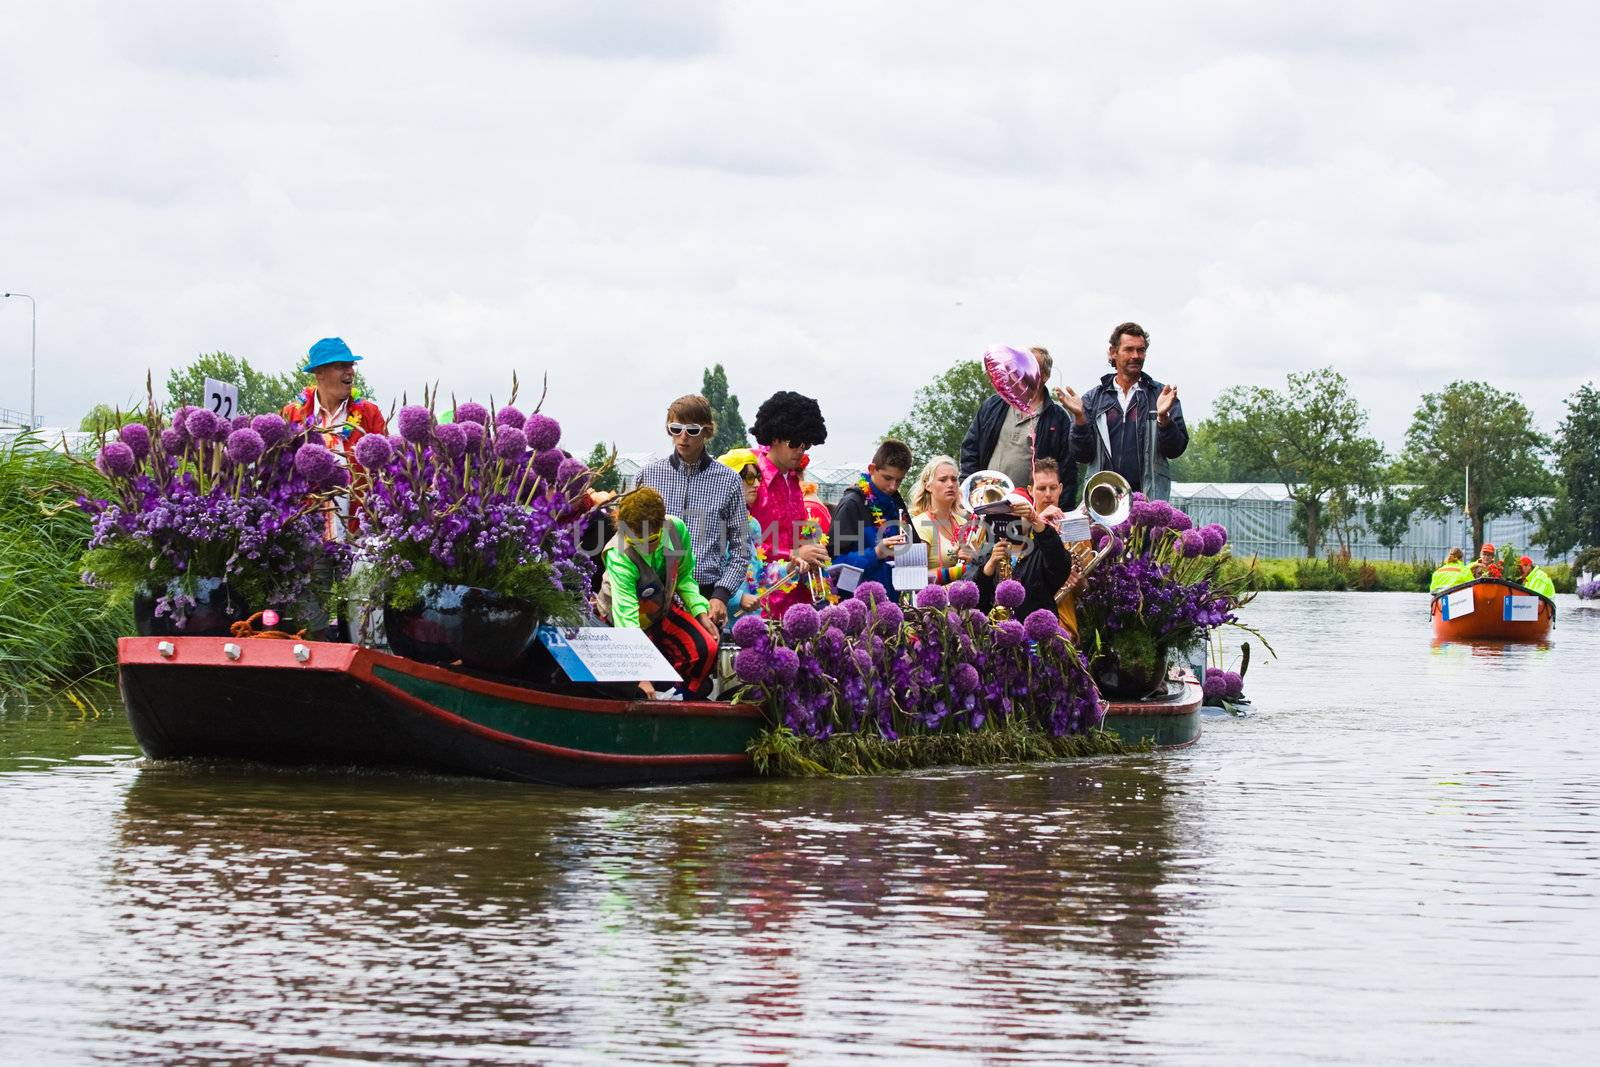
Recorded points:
(1107, 500)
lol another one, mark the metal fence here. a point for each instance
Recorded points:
(12, 418)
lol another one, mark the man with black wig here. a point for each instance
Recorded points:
(787, 425)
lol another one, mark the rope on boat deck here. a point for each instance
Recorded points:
(245, 629)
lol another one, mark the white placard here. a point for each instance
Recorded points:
(607, 654)
(846, 577)
(910, 566)
(1522, 609)
(1074, 528)
(1458, 604)
(222, 398)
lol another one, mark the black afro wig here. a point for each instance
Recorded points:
(786, 416)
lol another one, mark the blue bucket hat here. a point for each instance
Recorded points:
(329, 350)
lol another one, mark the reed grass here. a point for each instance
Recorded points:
(54, 631)
(780, 752)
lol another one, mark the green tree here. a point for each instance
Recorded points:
(259, 392)
(1389, 516)
(1474, 447)
(1574, 519)
(599, 457)
(725, 409)
(1208, 459)
(1311, 437)
(942, 412)
(104, 418)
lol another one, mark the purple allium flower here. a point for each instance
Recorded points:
(543, 431)
(785, 664)
(832, 617)
(1191, 543)
(180, 418)
(1216, 536)
(272, 428)
(475, 435)
(856, 611)
(204, 425)
(136, 435)
(1009, 633)
(753, 664)
(871, 592)
(116, 460)
(509, 416)
(509, 443)
(572, 474)
(1160, 514)
(965, 678)
(1233, 685)
(932, 596)
(547, 464)
(472, 411)
(171, 440)
(373, 451)
(315, 464)
(245, 445)
(1010, 594)
(239, 422)
(1041, 625)
(1181, 521)
(452, 439)
(889, 616)
(748, 630)
(1215, 686)
(800, 622)
(415, 423)
(964, 595)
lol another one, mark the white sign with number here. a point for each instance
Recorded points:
(222, 398)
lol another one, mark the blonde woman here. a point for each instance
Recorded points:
(937, 515)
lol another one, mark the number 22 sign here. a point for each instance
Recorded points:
(222, 398)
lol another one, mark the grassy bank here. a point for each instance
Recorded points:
(53, 630)
(1378, 575)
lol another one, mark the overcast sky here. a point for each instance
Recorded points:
(840, 199)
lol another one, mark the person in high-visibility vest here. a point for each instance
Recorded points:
(1536, 579)
(1452, 572)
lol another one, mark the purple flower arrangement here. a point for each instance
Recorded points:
(204, 498)
(1163, 585)
(486, 500)
(1589, 590)
(867, 665)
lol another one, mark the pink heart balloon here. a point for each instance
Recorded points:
(1015, 375)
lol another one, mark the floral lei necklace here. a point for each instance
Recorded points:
(868, 492)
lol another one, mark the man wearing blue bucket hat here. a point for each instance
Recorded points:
(332, 404)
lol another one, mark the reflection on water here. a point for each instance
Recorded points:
(1393, 858)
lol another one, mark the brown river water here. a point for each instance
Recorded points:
(1395, 858)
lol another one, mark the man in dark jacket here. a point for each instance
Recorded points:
(871, 519)
(1002, 438)
(1129, 423)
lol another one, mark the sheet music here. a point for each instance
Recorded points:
(911, 566)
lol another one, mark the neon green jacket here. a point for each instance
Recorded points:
(622, 575)
(1540, 582)
(1449, 575)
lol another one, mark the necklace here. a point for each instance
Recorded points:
(869, 494)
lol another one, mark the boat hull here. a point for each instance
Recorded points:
(350, 706)
(1168, 721)
(1490, 617)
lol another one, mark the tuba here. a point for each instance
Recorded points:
(1107, 499)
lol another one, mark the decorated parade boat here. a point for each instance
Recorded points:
(1491, 609)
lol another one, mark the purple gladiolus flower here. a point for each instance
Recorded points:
(964, 595)
(136, 435)
(509, 443)
(315, 464)
(509, 416)
(415, 423)
(374, 451)
(203, 425)
(1191, 543)
(245, 446)
(748, 630)
(543, 431)
(1010, 594)
(871, 593)
(932, 596)
(472, 411)
(753, 665)
(965, 678)
(1041, 625)
(800, 622)
(785, 663)
(116, 460)
(272, 428)
(452, 438)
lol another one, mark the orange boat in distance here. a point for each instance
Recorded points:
(1491, 609)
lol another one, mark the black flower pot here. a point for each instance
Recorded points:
(1120, 678)
(215, 610)
(479, 627)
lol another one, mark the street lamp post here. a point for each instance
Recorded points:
(33, 363)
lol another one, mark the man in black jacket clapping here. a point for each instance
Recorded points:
(1129, 423)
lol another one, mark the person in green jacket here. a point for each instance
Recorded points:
(649, 583)
(1536, 579)
(1452, 572)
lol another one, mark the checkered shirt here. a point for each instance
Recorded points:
(710, 498)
